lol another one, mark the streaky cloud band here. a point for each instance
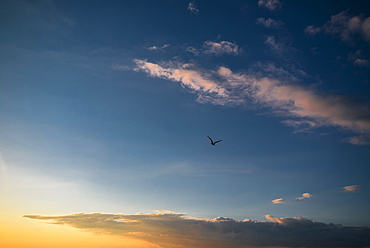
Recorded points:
(307, 106)
(166, 228)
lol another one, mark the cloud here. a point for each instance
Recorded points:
(193, 8)
(352, 188)
(216, 48)
(345, 26)
(304, 195)
(220, 48)
(270, 4)
(274, 45)
(196, 81)
(269, 23)
(359, 140)
(168, 229)
(154, 48)
(279, 200)
(193, 50)
(358, 60)
(305, 107)
(300, 125)
(312, 30)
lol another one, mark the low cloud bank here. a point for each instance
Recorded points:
(169, 229)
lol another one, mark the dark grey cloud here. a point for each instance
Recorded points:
(167, 229)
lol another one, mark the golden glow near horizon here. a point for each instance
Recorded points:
(19, 232)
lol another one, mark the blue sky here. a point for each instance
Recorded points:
(106, 105)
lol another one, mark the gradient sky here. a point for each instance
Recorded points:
(106, 106)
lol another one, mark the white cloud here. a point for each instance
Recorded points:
(304, 195)
(352, 188)
(279, 200)
(167, 229)
(154, 48)
(220, 48)
(216, 48)
(270, 4)
(307, 107)
(193, 8)
(269, 22)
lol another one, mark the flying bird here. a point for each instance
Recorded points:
(213, 143)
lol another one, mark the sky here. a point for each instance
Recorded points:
(106, 107)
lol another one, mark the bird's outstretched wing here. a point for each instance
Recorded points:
(217, 141)
(210, 139)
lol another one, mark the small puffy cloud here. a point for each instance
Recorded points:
(270, 4)
(312, 30)
(221, 48)
(192, 50)
(304, 196)
(352, 188)
(216, 48)
(279, 200)
(168, 229)
(155, 48)
(358, 60)
(359, 140)
(345, 26)
(269, 22)
(193, 8)
(361, 62)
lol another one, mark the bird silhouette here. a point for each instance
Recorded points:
(213, 143)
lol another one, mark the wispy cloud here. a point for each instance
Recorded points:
(270, 4)
(197, 81)
(304, 196)
(155, 48)
(307, 107)
(216, 48)
(359, 140)
(166, 228)
(279, 200)
(193, 8)
(278, 47)
(352, 188)
(269, 22)
(312, 30)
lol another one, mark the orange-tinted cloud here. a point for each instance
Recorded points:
(168, 229)
(352, 188)
(279, 200)
(309, 108)
(304, 195)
